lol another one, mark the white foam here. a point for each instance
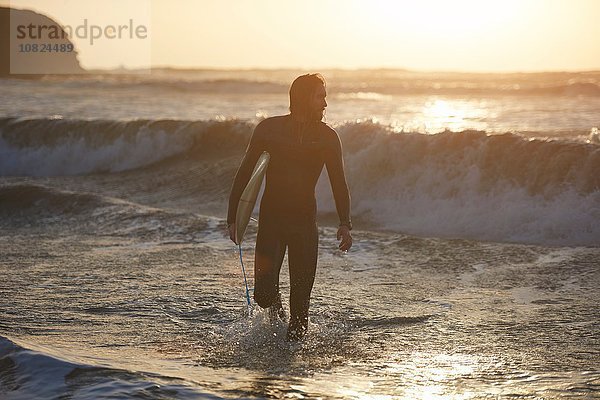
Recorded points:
(426, 190)
(77, 156)
(511, 215)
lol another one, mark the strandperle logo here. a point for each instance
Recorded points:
(75, 36)
(86, 31)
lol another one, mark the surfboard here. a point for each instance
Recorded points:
(249, 196)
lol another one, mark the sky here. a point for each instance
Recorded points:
(430, 35)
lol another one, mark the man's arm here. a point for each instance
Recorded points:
(335, 169)
(244, 172)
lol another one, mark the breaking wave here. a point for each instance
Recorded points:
(469, 184)
(453, 184)
(47, 147)
(29, 374)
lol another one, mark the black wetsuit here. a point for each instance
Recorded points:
(288, 208)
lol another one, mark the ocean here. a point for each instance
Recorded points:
(474, 272)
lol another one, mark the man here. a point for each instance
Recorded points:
(299, 145)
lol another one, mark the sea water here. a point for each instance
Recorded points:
(474, 272)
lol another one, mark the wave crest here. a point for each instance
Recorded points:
(469, 184)
(452, 184)
(27, 373)
(47, 147)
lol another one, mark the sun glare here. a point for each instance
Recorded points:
(440, 20)
(439, 114)
(426, 35)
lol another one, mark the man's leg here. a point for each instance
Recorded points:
(302, 256)
(270, 250)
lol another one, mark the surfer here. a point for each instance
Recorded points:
(299, 144)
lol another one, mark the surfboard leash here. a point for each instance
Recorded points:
(245, 282)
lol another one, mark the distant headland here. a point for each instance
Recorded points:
(48, 62)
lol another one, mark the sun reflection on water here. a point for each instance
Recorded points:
(432, 376)
(437, 115)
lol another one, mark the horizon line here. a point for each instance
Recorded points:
(349, 69)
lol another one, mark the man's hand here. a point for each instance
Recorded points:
(343, 233)
(232, 232)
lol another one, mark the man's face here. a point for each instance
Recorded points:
(318, 102)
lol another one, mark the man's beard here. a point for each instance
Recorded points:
(317, 115)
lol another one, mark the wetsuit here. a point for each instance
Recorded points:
(288, 208)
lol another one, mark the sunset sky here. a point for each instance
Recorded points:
(457, 35)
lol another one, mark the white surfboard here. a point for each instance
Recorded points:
(249, 196)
